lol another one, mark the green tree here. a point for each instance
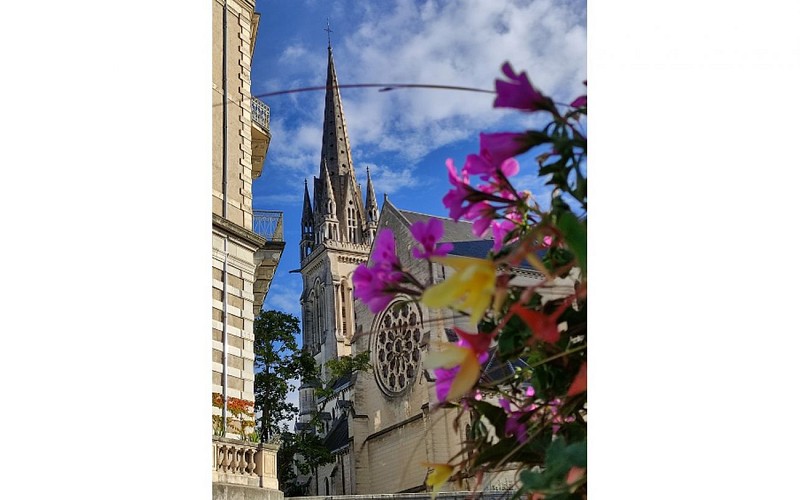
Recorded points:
(307, 452)
(278, 361)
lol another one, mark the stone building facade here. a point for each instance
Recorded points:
(338, 227)
(381, 425)
(246, 244)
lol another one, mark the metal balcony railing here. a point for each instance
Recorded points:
(268, 223)
(260, 112)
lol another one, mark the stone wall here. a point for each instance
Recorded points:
(239, 119)
(233, 243)
(450, 495)
(221, 491)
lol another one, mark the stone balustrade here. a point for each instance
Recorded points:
(246, 464)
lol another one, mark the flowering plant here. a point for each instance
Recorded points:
(531, 416)
(240, 412)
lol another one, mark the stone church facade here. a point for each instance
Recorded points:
(382, 424)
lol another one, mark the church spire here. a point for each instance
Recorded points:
(335, 142)
(307, 226)
(371, 210)
(328, 197)
(328, 217)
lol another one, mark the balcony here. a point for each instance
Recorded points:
(260, 135)
(269, 225)
(260, 113)
(244, 464)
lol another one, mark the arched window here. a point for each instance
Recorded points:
(345, 304)
(351, 223)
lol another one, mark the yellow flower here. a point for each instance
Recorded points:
(436, 479)
(467, 355)
(470, 288)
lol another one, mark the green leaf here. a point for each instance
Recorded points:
(532, 481)
(496, 452)
(496, 415)
(574, 232)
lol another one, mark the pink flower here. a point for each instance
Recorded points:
(500, 229)
(515, 425)
(519, 93)
(444, 379)
(481, 165)
(500, 146)
(370, 288)
(580, 102)
(373, 285)
(496, 189)
(481, 214)
(427, 235)
(456, 197)
(457, 367)
(555, 405)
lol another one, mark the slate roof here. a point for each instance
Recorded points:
(453, 231)
(339, 436)
(342, 381)
(496, 370)
(475, 248)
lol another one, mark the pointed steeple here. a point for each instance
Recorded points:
(307, 226)
(328, 198)
(335, 142)
(371, 209)
(307, 212)
(327, 222)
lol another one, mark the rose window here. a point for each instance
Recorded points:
(396, 348)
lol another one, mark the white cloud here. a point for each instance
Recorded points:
(292, 53)
(386, 179)
(284, 298)
(461, 43)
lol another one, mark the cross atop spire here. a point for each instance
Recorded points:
(329, 30)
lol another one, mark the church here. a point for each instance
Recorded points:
(384, 423)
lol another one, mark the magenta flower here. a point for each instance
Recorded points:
(519, 93)
(445, 377)
(496, 189)
(514, 422)
(370, 288)
(500, 229)
(481, 165)
(374, 285)
(427, 235)
(500, 146)
(456, 197)
(555, 405)
(481, 214)
(580, 102)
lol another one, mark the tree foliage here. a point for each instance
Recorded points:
(278, 361)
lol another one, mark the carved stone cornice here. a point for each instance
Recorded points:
(237, 231)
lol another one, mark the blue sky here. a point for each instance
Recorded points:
(404, 136)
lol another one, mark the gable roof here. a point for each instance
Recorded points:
(339, 435)
(453, 231)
